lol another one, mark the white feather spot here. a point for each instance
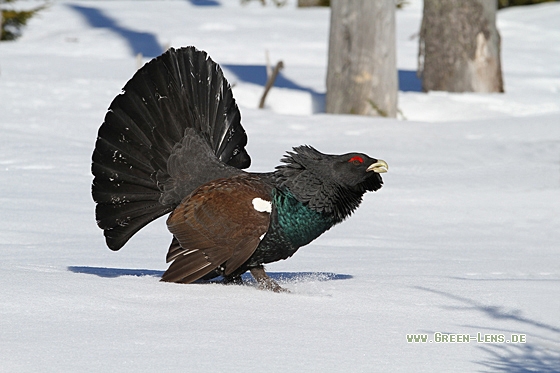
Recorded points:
(262, 205)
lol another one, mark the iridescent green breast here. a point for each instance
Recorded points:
(292, 225)
(299, 224)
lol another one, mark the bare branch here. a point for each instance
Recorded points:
(270, 82)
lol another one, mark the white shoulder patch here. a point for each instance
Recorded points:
(262, 205)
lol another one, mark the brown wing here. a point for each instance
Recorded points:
(218, 225)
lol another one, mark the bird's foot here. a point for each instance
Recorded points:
(265, 282)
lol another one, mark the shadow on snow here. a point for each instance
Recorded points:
(523, 358)
(279, 276)
(205, 2)
(409, 81)
(139, 42)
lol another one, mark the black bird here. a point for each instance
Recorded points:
(172, 141)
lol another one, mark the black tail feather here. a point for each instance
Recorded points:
(118, 234)
(180, 90)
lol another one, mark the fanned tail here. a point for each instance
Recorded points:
(175, 126)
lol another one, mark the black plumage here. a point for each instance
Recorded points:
(173, 142)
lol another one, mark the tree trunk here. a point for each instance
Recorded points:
(362, 73)
(460, 47)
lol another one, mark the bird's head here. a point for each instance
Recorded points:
(358, 172)
(330, 183)
(355, 171)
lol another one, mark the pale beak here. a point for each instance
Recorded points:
(379, 167)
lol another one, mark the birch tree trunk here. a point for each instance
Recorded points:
(362, 74)
(460, 46)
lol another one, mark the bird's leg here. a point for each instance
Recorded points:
(265, 282)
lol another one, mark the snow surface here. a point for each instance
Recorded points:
(463, 238)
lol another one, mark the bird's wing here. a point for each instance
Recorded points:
(219, 225)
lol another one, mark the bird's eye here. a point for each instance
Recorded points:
(356, 160)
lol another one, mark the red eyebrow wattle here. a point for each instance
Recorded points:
(356, 158)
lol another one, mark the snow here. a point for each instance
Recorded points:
(463, 238)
